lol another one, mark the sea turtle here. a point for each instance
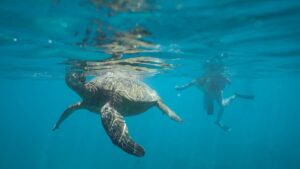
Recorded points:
(113, 96)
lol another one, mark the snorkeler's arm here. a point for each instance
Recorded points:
(192, 83)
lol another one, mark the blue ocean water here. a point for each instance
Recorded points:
(256, 41)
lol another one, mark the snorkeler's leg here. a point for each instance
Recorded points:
(208, 104)
(221, 101)
(243, 96)
(218, 121)
(227, 101)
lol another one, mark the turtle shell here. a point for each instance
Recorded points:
(128, 88)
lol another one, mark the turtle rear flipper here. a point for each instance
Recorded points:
(163, 107)
(116, 128)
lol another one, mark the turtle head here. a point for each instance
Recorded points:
(76, 81)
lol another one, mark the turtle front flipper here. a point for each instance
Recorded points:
(67, 113)
(116, 128)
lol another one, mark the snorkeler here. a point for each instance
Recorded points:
(212, 83)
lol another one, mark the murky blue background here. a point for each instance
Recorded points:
(260, 44)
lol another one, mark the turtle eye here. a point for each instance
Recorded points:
(74, 75)
(78, 76)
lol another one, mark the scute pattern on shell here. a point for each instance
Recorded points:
(129, 88)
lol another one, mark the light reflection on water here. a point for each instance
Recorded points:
(257, 39)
